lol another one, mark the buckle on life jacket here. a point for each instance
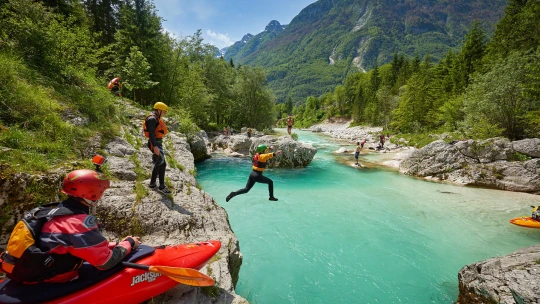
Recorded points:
(49, 261)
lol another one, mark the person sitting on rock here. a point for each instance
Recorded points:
(256, 176)
(536, 213)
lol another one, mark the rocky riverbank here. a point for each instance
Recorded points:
(496, 163)
(129, 207)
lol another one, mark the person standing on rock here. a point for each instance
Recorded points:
(155, 129)
(290, 123)
(357, 152)
(256, 176)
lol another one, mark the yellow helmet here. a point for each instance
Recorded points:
(161, 106)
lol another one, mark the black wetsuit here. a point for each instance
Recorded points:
(158, 170)
(256, 177)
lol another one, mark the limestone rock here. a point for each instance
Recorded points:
(129, 207)
(197, 146)
(120, 147)
(529, 146)
(240, 143)
(294, 154)
(483, 163)
(511, 279)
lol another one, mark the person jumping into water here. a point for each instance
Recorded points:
(256, 176)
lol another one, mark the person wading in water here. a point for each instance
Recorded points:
(256, 176)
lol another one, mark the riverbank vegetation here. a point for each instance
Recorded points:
(56, 58)
(487, 89)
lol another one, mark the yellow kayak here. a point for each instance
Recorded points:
(525, 221)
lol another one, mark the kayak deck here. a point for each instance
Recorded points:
(116, 285)
(526, 221)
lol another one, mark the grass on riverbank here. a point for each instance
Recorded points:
(45, 123)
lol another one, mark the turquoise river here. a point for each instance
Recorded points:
(340, 234)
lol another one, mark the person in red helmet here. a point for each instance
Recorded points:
(74, 237)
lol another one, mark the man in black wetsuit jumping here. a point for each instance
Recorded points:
(256, 176)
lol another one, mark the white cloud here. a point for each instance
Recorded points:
(219, 40)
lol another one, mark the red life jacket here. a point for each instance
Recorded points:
(161, 128)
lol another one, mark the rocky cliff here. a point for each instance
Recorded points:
(130, 208)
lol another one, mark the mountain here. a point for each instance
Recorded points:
(233, 50)
(246, 47)
(331, 38)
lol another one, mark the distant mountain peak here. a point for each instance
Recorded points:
(274, 26)
(246, 37)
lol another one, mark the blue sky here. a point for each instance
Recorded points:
(224, 22)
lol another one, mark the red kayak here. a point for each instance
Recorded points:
(117, 285)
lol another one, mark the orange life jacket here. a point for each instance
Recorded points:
(161, 128)
(257, 163)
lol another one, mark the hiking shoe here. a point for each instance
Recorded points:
(229, 197)
(152, 186)
(273, 199)
(164, 190)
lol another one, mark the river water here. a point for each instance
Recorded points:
(340, 234)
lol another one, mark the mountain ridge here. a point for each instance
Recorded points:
(331, 38)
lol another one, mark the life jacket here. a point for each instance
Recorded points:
(257, 163)
(23, 261)
(161, 128)
(536, 213)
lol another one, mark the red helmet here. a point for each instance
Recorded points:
(87, 184)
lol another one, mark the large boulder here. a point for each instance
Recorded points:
(239, 143)
(198, 147)
(511, 279)
(486, 151)
(433, 159)
(294, 154)
(529, 146)
(488, 163)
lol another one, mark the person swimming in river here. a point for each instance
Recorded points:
(259, 164)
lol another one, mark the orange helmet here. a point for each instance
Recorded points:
(87, 184)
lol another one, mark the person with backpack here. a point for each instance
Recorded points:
(259, 164)
(51, 242)
(155, 129)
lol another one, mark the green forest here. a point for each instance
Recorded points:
(57, 56)
(487, 89)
